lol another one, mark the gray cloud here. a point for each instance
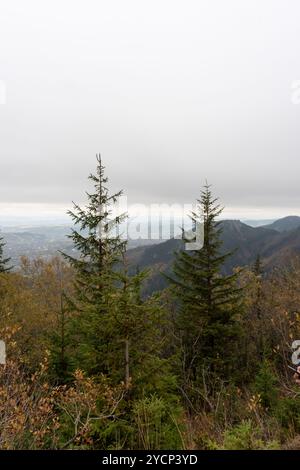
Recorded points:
(170, 92)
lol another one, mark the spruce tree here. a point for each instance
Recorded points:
(113, 330)
(139, 336)
(257, 309)
(208, 301)
(258, 271)
(3, 261)
(61, 362)
(99, 247)
(258, 266)
(98, 241)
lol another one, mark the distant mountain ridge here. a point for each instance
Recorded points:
(276, 244)
(287, 223)
(43, 241)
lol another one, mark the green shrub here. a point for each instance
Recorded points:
(245, 436)
(157, 424)
(266, 386)
(288, 414)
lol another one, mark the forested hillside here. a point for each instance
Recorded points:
(275, 247)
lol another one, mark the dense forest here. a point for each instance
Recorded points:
(94, 363)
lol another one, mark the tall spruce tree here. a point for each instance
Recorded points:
(3, 261)
(98, 240)
(113, 329)
(258, 268)
(108, 327)
(208, 301)
(99, 246)
(139, 336)
(257, 309)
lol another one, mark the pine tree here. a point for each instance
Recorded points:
(98, 240)
(3, 261)
(258, 266)
(257, 308)
(99, 248)
(258, 273)
(139, 336)
(113, 329)
(60, 361)
(208, 301)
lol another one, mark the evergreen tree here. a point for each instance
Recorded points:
(257, 309)
(113, 330)
(107, 327)
(208, 301)
(99, 248)
(61, 362)
(258, 273)
(3, 261)
(98, 241)
(258, 266)
(139, 337)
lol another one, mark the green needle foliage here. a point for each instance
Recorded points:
(113, 329)
(208, 301)
(99, 248)
(98, 240)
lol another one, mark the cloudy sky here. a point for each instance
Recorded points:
(170, 92)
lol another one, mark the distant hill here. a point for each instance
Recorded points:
(275, 246)
(43, 241)
(287, 223)
(276, 243)
(258, 223)
(33, 242)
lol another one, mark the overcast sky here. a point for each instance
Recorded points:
(170, 92)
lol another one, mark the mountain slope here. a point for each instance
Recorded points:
(286, 224)
(275, 247)
(276, 243)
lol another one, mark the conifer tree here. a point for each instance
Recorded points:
(97, 241)
(3, 261)
(208, 301)
(113, 329)
(99, 247)
(61, 361)
(139, 336)
(258, 266)
(257, 308)
(258, 271)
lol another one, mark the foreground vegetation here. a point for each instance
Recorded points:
(94, 364)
